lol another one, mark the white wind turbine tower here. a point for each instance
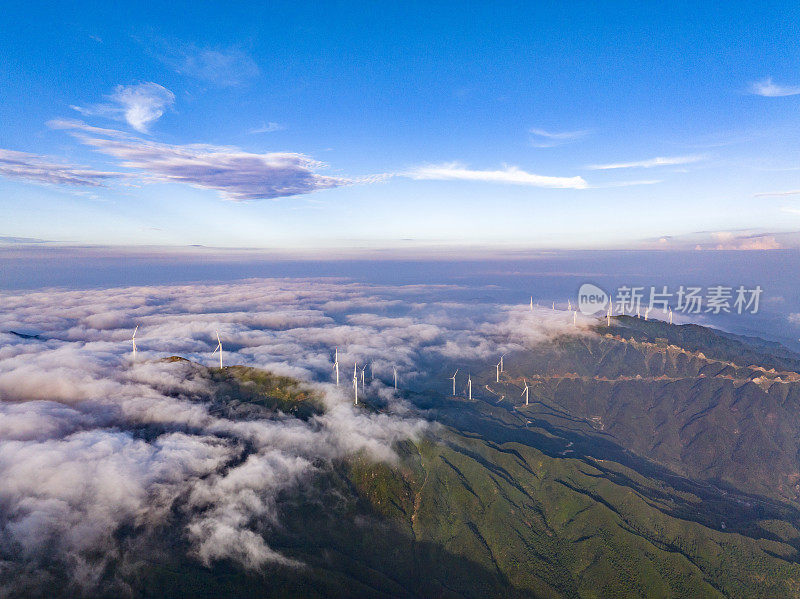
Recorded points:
(670, 315)
(497, 369)
(362, 375)
(218, 349)
(453, 378)
(469, 385)
(525, 393)
(336, 365)
(646, 314)
(133, 340)
(355, 382)
(501, 362)
(569, 305)
(554, 305)
(394, 369)
(637, 311)
(531, 303)
(575, 318)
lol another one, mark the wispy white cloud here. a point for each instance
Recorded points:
(768, 89)
(237, 174)
(627, 183)
(777, 194)
(649, 163)
(139, 105)
(41, 169)
(267, 128)
(549, 139)
(224, 67)
(512, 175)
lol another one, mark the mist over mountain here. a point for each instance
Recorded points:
(650, 460)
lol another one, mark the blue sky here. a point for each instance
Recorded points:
(395, 124)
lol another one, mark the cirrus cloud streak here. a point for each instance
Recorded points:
(454, 171)
(41, 169)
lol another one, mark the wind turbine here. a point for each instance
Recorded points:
(531, 303)
(355, 383)
(336, 365)
(501, 362)
(133, 340)
(497, 369)
(575, 318)
(453, 378)
(646, 313)
(469, 385)
(554, 305)
(569, 305)
(670, 315)
(394, 369)
(637, 311)
(362, 375)
(218, 349)
(525, 393)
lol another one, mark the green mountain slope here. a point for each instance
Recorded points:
(712, 415)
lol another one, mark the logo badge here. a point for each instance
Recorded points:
(591, 299)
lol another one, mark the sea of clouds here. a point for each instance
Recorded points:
(91, 441)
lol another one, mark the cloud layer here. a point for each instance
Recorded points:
(91, 442)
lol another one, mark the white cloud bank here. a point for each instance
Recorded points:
(91, 443)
